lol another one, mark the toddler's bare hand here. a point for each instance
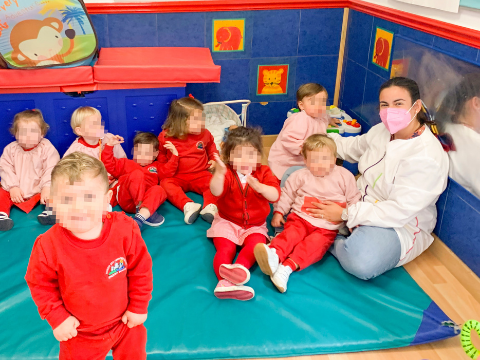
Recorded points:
(219, 165)
(131, 319)
(114, 140)
(169, 146)
(44, 195)
(67, 329)
(255, 184)
(277, 220)
(16, 194)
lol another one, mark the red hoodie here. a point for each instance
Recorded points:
(94, 280)
(154, 172)
(244, 206)
(194, 151)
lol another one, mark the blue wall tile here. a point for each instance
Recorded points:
(358, 37)
(247, 41)
(320, 31)
(100, 26)
(234, 81)
(197, 91)
(181, 29)
(270, 117)
(275, 33)
(416, 35)
(370, 110)
(254, 64)
(455, 49)
(354, 84)
(318, 69)
(132, 30)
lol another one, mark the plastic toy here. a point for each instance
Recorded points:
(292, 111)
(352, 127)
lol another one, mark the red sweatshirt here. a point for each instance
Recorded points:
(154, 172)
(244, 206)
(194, 151)
(94, 280)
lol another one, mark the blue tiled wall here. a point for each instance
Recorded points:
(458, 222)
(307, 40)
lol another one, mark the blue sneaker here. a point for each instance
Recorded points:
(155, 220)
(139, 222)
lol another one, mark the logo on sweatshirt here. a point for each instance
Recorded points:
(200, 145)
(116, 267)
(152, 169)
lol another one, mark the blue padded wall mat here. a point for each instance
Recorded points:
(325, 310)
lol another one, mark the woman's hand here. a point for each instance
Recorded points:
(327, 210)
(169, 146)
(277, 220)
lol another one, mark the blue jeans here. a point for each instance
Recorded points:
(289, 172)
(368, 252)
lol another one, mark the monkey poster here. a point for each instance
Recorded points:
(45, 33)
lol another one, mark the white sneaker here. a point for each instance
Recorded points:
(280, 278)
(191, 211)
(267, 258)
(208, 212)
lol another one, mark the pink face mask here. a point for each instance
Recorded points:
(396, 119)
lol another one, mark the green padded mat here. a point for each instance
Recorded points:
(325, 310)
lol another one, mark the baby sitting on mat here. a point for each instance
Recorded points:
(306, 239)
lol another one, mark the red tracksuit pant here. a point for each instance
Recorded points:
(6, 202)
(226, 251)
(302, 242)
(125, 343)
(132, 191)
(197, 182)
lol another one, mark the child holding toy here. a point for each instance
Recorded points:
(244, 189)
(306, 239)
(138, 190)
(25, 168)
(185, 128)
(91, 274)
(313, 119)
(87, 123)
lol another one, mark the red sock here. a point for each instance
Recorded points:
(290, 263)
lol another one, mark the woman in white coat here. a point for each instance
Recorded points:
(404, 170)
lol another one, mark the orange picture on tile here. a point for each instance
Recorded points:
(228, 35)
(272, 79)
(383, 48)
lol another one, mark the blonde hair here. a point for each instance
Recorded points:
(80, 114)
(310, 89)
(178, 114)
(76, 165)
(29, 115)
(318, 141)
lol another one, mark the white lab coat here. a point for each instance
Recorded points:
(400, 184)
(464, 161)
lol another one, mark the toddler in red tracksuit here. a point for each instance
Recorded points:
(244, 191)
(185, 128)
(90, 275)
(138, 190)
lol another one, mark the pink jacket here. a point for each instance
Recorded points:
(286, 150)
(30, 170)
(81, 146)
(302, 188)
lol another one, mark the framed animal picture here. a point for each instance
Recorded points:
(272, 79)
(228, 35)
(382, 49)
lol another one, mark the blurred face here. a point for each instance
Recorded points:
(196, 122)
(245, 159)
(399, 98)
(315, 105)
(320, 162)
(92, 128)
(80, 207)
(144, 154)
(28, 134)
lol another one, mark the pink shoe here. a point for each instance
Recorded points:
(227, 290)
(235, 273)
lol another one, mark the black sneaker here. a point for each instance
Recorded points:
(46, 218)
(5, 222)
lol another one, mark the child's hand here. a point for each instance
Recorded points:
(169, 146)
(212, 164)
(16, 194)
(220, 167)
(114, 140)
(255, 184)
(44, 195)
(131, 319)
(334, 122)
(277, 220)
(67, 329)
